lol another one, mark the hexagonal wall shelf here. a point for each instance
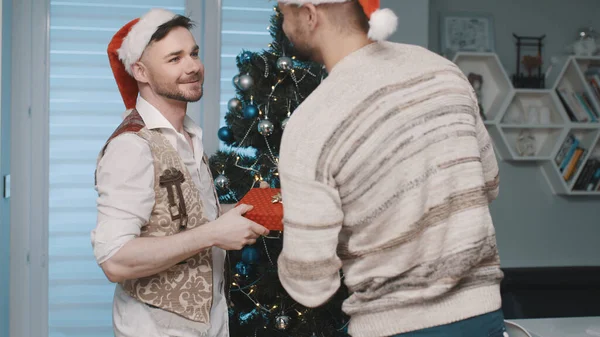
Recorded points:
(557, 128)
(495, 87)
(531, 125)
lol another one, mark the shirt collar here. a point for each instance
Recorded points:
(155, 120)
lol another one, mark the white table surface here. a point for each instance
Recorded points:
(561, 327)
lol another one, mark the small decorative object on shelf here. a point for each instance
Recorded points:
(476, 81)
(488, 79)
(514, 116)
(587, 43)
(531, 63)
(544, 115)
(526, 144)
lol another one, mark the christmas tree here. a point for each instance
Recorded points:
(269, 86)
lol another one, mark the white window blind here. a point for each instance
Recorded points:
(243, 27)
(85, 108)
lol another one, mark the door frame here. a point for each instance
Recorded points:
(29, 168)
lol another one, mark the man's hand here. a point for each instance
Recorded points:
(232, 231)
(226, 208)
(145, 256)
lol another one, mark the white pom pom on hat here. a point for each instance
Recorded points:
(140, 34)
(382, 22)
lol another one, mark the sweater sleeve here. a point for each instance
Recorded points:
(308, 264)
(488, 160)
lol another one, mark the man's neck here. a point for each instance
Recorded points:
(173, 110)
(341, 47)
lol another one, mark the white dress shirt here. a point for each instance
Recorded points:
(125, 185)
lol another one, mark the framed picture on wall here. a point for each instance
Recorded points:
(466, 32)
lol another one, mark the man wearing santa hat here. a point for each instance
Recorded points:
(159, 234)
(387, 172)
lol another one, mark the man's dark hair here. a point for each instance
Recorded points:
(361, 21)
(165, 28)
(348, 16)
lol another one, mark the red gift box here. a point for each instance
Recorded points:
(268, 209)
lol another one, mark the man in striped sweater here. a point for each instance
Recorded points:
(387, 172)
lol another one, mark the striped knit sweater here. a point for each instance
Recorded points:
(387, 171)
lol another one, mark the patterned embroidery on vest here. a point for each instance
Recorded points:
(186, 288)
(172, 179)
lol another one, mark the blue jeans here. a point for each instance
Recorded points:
(486, 325)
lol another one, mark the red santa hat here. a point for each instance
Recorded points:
(126, 48)
(382, 22)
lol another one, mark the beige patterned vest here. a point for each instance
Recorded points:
(186, 288)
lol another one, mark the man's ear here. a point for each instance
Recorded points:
(311, 13)
(140, 72)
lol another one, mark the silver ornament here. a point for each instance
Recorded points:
(284, 123)
(234, 105)
(236, 81)
(246, 82)
(221, 181)
(284, 63)
(265, 127)
(282, 322)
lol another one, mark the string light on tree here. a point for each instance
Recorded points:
(285, 121)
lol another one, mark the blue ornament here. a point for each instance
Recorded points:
(243, 269)
(246, 56)
(245, 318)
(225, 134)
(298, 64)
(250, 254)
(250, 111)
(266, 318)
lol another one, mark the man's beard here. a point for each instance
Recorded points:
(302, 51)
(172, 91)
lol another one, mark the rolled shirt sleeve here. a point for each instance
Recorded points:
(125, 186)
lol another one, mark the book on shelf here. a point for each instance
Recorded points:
(569, 156)
(574, 163)
(592, 75)
(589, 179)
(577, 105)
(566, 149)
